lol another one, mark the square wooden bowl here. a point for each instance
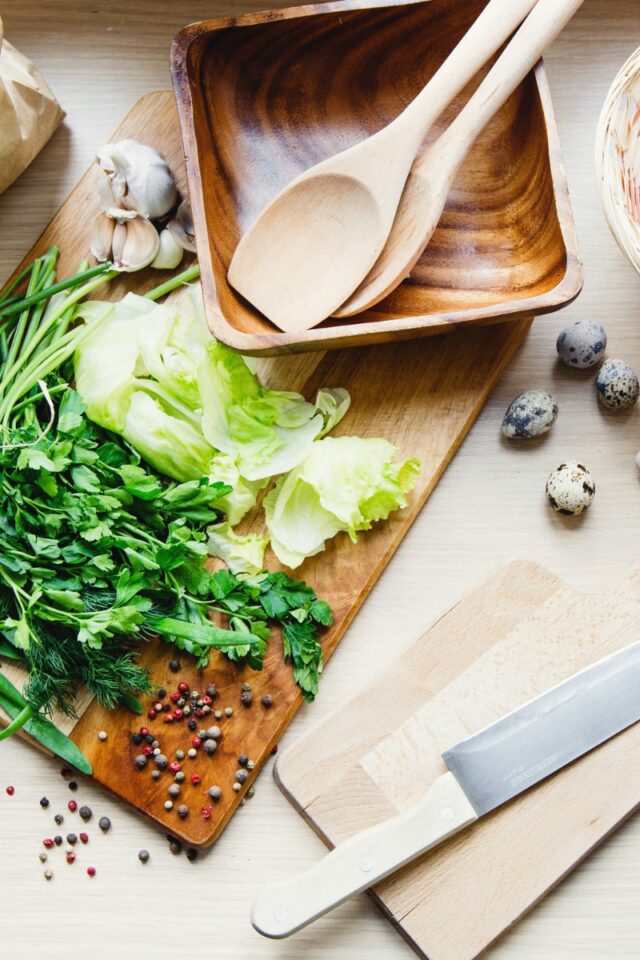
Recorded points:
(262, 97)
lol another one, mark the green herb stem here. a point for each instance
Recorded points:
(187, 276)
(17, 304)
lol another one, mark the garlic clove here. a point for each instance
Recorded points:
(169, 254)
(135, 244)
(139, 177)
(103, 237)
(182, 227)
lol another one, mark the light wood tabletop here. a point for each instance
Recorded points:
(100, 57)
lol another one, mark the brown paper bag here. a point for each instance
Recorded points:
(29, 112)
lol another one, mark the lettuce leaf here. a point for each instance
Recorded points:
(242, 554)
(344, 483)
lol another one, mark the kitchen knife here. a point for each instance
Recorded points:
(486, 770)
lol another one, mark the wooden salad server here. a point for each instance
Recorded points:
(312, 245)
(485, 771)
(433, 173)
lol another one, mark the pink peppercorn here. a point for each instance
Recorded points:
(71, 857)
(178, 714)
(72, 805)
(167, 706)
(175, 767)
(207, 701)
(48, 843)
(11, 791)
(195, 779)
(183, 687)
(91, 871)
(196, 742)
(147, 751)
(84, 838)
(144, 731)
(206, 813)
(168, 718)
(174, 697)
(152, 714)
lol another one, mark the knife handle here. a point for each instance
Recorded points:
(282, 908)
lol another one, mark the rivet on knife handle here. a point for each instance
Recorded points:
(282, 908)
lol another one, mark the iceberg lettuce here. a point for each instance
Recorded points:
(241, 553)
(344, 483)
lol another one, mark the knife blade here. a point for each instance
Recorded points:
(485, 771)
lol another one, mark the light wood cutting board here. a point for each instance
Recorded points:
(518, 633)
(423, 396)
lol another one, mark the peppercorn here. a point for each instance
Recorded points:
(152, 714)
(192, 854)
(144, 731)
(217, 714)
(162, 693)
(59, 818)
(179, 754)
(44, 803)
(143, 856)
(174, 697)
(183, 811)
(215, 793)
(161, 761)
(250, 764)
(241, 776)
(73, 785)
(246, 687)
(91, 871)
(250, 792)
(246, 699)
(267, 701)
(66, 772)
(207, 701)
(48, 843)
(192, 725)
(243, 760)
(85, 813)
(149, 739)
(174, 790)
(157, 707)
(11, 791)
(103, 735)
(199, 711)
(205, 813)
(84, 838)
(179, 776)
(210, 746)
(196, 742)
(175, 846)
(136, 739)
(48, 874)
(187, 710)
(202, 734)
(104, 823)
(140, 761)
(58, 840)
(168, 718)
(195, 779)
(214, 733)
(72, 805)
(147, 751)
(156, 746)
(178, 714)
(181, 702)
(212, 691)
(174, 767)
(42, 857)
(71, 857)
(155, 774)
(228, 711)
(166, 707)
(237, 786)
(168, 804)
(72, 839)
(195, 695)
(183, 687)
(192, 753)
(174, 666)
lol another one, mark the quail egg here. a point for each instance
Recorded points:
(570, 489)
(617, 385)
(531, 414)
(582, 344)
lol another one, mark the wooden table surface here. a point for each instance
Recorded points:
(100, 56)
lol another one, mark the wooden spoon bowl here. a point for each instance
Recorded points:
(264, 96)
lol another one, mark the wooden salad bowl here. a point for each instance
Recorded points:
(262, 97)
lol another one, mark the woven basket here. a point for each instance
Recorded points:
(618, 158)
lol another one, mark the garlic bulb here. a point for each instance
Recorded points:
(182, 227)
(126, 238)
(169, 254)
(140, 178)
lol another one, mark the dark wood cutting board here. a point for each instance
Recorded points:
(517, 634)
(423, 396)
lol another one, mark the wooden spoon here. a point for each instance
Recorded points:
(433, 173)
(312, 245)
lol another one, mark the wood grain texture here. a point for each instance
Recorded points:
(256, 110)
(425, 398)
(525, 848)
(487, 508)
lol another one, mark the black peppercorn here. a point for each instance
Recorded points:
(85, 813)
(192, 725)
(73, 785)
(104, 823)
(143, 856)
(243, 760)
(192, 854)
(267, 700)
(174, 665)
(212, 691)
(149, 738)
(58, 818)
(72, 839)
(162, 693)
(44, 803)
(58, 841)
(137, 739)
(245, 698)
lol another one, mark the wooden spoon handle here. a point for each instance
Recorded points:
(541, 27)
(489, 31)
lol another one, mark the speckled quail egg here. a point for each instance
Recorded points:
(582, 344)
(570, 489)
(530, 415)
(617, 385)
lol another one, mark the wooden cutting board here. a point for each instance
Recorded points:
(518, 633)
(423, 396)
